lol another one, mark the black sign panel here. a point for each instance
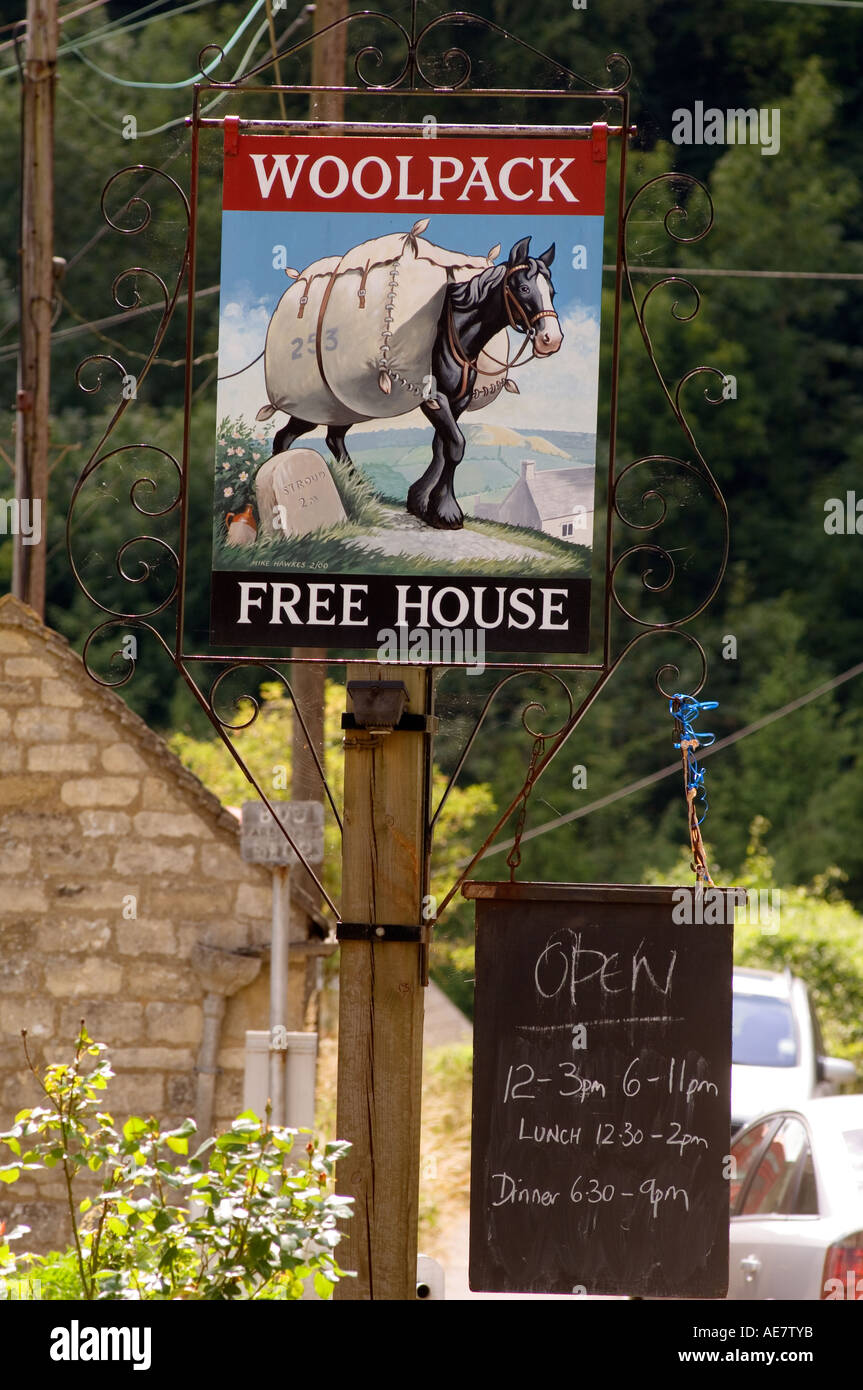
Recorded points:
(601, 1092)
(254, 609)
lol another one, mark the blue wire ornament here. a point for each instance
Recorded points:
(685, 710)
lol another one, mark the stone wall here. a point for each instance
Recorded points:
(117, 867)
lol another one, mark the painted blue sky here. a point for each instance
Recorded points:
(248, 239)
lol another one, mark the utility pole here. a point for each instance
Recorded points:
(36, 300)
(328, 61)
(307, 679)
(381, 996)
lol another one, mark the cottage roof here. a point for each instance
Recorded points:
(556, 491)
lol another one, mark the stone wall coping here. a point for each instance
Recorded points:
(16, 614)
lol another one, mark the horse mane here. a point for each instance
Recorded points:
(470, 293)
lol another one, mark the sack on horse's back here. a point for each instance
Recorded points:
(294, 381)
(352, 338)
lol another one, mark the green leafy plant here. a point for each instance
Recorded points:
(241, 1218)
(239, 455)
(54, 1277)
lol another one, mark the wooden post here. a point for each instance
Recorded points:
(36, 299)
(328, 61)
(381, 997)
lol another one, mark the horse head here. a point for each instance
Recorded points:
(529, 295)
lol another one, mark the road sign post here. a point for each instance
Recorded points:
(262, 842)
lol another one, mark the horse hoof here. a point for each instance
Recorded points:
(417, 505)
(444, 512)
(444, 521)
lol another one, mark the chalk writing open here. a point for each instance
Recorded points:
(566, 965)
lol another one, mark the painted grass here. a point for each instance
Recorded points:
(333, 555)
(339, 549)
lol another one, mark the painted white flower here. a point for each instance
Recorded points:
(243, 477)
(228, 492)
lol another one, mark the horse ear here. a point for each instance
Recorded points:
(520, 251)
(547, 256)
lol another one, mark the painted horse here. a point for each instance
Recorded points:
(448, 352)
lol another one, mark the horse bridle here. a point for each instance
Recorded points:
(528, 320)
(510, 299)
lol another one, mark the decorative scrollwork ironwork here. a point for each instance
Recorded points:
(678, 213)
(495, 691)
(98, 459)
(226, 727)
(145, 567)
(667, 676)
(373, 52)
(129, 659)
(414, 73)
(248, 697)
(426, 60)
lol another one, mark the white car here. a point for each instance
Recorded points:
(797, 1203)
(777, 1054)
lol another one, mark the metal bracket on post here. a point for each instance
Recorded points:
(383, 931)
(232, 134)
(379, 709)
(599, 142)
(408, 724)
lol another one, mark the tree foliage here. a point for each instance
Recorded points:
(789, 441)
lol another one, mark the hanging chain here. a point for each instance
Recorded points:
(685, 709)
(513, 859)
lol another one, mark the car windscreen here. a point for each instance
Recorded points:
(854, 1143)
(763, 1032)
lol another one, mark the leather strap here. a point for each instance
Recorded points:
(319, 331)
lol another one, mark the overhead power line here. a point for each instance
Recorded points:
(116, 28)
(82, 9)
(186, 81)
(101, 231)
(127, 23)
(827, 4)
(699, 271)
(63, 19)
(220, 97)
(124, 348)
(674, 767)
(63, 333)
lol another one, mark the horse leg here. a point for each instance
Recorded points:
(284, 438)
(420, 491)
(443, 511)
(336, 444)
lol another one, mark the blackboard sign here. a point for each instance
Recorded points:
(601, 1090)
